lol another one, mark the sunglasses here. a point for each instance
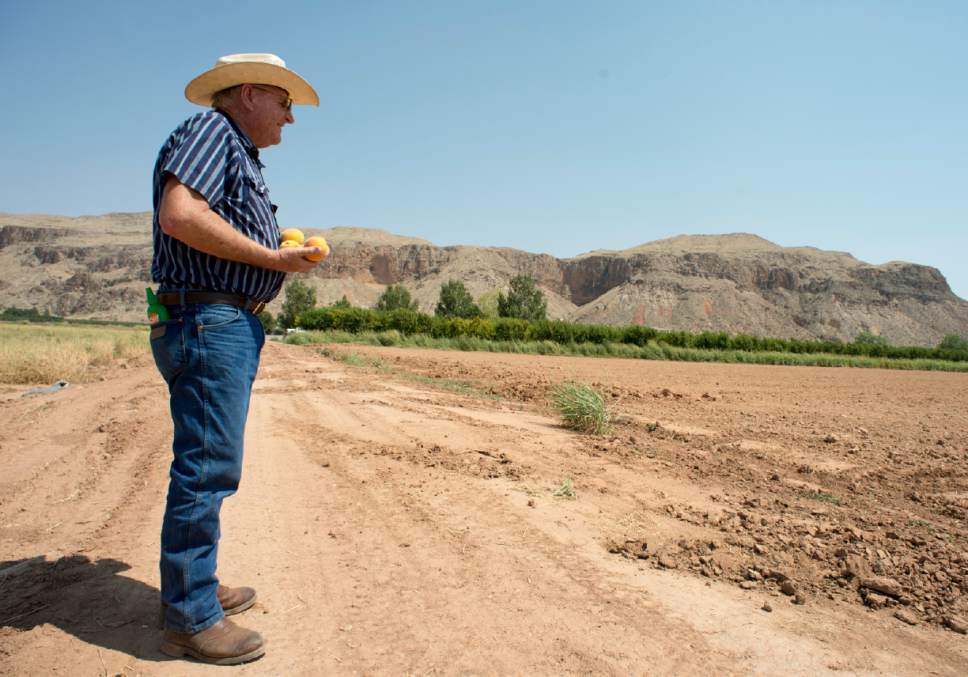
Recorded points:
(287, 104)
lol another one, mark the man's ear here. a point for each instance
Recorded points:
(245, 97)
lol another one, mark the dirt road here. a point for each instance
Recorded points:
(398, 515)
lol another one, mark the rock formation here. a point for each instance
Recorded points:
(97, 267)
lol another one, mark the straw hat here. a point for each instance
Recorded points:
(253, 69)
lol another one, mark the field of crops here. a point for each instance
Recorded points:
(45, 353)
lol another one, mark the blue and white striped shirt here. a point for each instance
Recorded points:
(212, 156)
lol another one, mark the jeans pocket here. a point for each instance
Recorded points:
(216, 316)
(168, 347)
(261, 334)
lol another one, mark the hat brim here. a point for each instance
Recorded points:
(203, 88)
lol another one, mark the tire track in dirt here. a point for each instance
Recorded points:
(88, 458)
(434, 545)
(81, 523)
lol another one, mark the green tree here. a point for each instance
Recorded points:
(953, 342)
(395, 297)
(456, 301)
(487, 302)
(524, 300)
(300, 297)
(865, 338)
(268, 321)
(342, 303)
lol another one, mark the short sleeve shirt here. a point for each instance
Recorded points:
(214, 157)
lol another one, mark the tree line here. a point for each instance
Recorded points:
(521, 315)
(523, 301)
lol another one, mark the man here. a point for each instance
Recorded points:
(217, 262)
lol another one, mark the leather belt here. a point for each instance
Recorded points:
(206, 297)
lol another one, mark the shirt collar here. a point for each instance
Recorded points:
(244, 138)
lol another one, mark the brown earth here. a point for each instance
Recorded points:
(399, 515)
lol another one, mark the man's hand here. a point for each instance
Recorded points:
(186, 216)
(290, 259)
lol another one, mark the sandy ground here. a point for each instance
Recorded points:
(398, 516)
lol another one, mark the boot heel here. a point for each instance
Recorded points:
(173, 650)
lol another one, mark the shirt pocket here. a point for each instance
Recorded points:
(256, 203)
(256, 186)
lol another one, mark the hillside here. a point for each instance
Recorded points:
(98, 266)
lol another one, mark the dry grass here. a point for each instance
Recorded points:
(46, 353)
(581, 407)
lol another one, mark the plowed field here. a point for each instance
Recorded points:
(424, 512)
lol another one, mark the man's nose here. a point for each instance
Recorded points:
(290, 118)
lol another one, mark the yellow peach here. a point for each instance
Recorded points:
(317, 241)
(293, 235)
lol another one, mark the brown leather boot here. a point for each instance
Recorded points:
(233, 601)
(224, 643)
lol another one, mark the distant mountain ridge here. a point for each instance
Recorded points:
(98, 266)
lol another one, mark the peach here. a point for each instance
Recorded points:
(293, 235)
(317, 241)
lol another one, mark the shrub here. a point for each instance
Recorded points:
(456, 301)
(866, 338)
(954, 342)
(353, 320)
(408, 321)
(300, 298)
(14, 314)
(396, 297)
(389, 338)
(589, 339)
(524, 300)
(268, 321)
(487, 302)
(582, 407)
(299, 339)
(711, 341)
(638, 335)
(508, 329)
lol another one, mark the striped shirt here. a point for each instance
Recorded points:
(214, 157)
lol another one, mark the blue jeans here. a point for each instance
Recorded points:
(208, 355)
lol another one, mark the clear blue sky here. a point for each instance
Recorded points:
(555, 127)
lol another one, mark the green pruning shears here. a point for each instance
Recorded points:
(156, 311)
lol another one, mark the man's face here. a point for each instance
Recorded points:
(271, 111)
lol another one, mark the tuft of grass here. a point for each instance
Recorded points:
(351, 359)
(298, 339)
(466, 388)
(823, 498)
(565, 490)
(582, 407)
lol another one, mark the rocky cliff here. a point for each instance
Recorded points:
(98, 267)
